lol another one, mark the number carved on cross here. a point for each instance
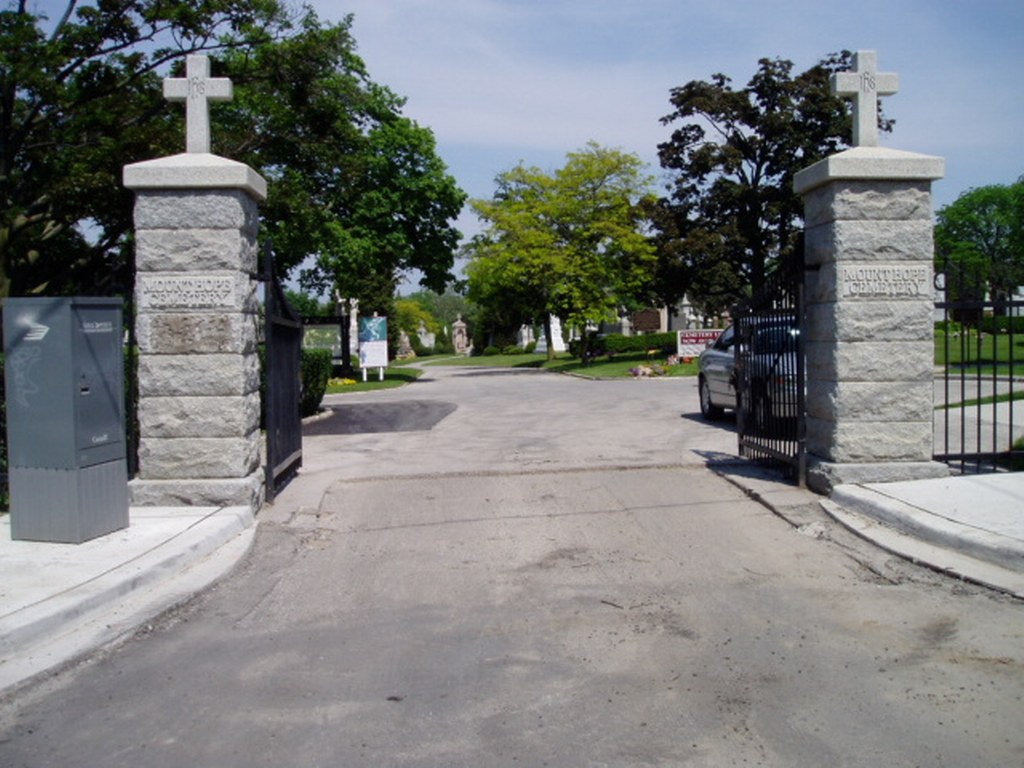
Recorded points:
(197, 89)
(865, 84)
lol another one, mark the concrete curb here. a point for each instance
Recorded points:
(57, 629)
(927, 553)
(931, 527)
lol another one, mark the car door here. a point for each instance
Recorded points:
(718, 369)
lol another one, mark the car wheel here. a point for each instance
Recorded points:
(708, 410)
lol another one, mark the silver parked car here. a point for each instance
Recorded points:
(771, 372)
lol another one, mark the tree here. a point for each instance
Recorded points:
(571, 244)
(732, 215)
(353, 184)
(79, 98)
(981, 236)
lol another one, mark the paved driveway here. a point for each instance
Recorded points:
(518, 568)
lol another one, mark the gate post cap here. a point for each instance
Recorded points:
(863, 163)
(194, 170)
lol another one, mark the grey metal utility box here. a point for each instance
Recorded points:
(64, 375)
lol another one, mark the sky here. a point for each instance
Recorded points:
(502, 82)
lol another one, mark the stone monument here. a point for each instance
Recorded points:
(869, 301)
(196, 221)
(557, 342)
(460, 339)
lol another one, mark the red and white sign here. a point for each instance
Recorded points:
(692, 343)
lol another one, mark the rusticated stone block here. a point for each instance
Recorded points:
(219, 492)
(183, 250)
(198, 332)
(185, 209)
(212, 375)
(168, 458)
(872, 401)
(867, 200)
(897, 322)
(904, 361)
(199, 416)
(870, 241)
(849, 441)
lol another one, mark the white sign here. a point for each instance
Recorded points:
(692, 343)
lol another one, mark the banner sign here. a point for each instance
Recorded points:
(692, 343)
(373, 342)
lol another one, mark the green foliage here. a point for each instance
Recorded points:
(732, 214)
(316, 370)
(513, 349)
(80, 100)
(1003, 324)
(616, 344)
(569, 244)
(979, 240)
(308, 306)
(491, 351)
(351, 181)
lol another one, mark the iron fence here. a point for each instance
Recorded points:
(979, 421)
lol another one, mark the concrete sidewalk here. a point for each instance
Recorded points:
(969, 526)
(59, 601)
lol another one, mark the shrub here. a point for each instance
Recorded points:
(489, 351)
(616, 344)
(1002, 324)
(316, 366)
(531, 347)
(512, 349)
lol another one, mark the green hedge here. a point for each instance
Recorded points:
(617, 344)
(316, 368)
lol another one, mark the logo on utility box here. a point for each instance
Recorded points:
(36, 332)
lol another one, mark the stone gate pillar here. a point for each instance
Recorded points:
(196, 222)
(869, 332)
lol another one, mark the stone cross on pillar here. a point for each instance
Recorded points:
(865, 84)
(197, 89)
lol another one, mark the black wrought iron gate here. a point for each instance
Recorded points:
(979, 349)
(770, 413)
(282, 419)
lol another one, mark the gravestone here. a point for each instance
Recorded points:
(525, 336)
(868, 334)
(427, 339)
(460, 339)
(557, 342)
(196, 222)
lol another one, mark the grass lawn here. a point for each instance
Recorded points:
(619, 366)
(395, 376)
(990, 352)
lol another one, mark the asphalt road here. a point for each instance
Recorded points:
(519, 568)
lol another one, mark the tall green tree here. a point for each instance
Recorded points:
(354, 187)
(572, 243)
(732, 215)
(980, 235)
(80, 97)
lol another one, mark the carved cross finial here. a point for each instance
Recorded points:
(197, 89)
(865, 84)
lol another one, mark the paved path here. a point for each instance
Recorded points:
(528, 569)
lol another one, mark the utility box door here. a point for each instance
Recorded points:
(65, 382)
